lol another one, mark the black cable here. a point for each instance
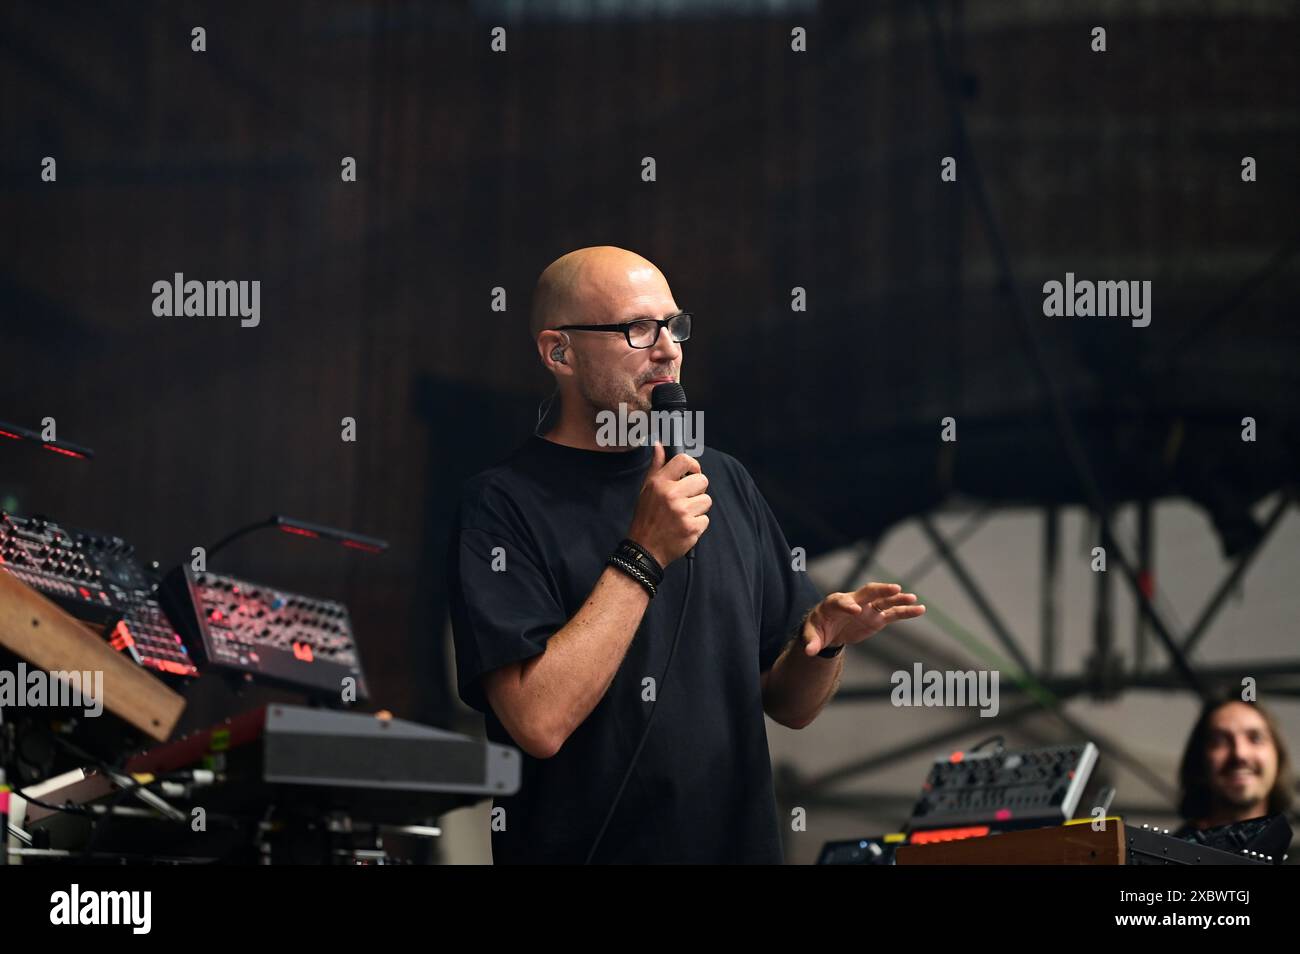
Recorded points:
(68, 807)
(111, 773)
(118, 798)
(645, 733)
(85, 756)
(992, 738)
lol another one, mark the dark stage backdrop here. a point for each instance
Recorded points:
(774, 169)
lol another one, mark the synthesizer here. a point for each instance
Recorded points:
(377, 766)
(1258, 841)
(278, 784)
(1020, 789)
(98, 579)
(266, 633)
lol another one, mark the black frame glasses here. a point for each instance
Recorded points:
(625, 329)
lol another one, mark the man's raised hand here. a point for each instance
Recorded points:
(843, 619)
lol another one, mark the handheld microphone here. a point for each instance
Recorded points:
(670, 400)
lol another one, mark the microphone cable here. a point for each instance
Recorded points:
(645, 733)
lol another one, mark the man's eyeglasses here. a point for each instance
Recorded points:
(644, 332)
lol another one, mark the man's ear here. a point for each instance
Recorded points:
(553, 348)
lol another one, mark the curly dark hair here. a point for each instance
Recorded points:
(1197, 800)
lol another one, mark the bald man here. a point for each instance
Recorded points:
(570, 599)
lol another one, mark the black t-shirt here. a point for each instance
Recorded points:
(532, 539)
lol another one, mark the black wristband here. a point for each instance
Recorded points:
(640, 557)
(631, 569)
(830, 652)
